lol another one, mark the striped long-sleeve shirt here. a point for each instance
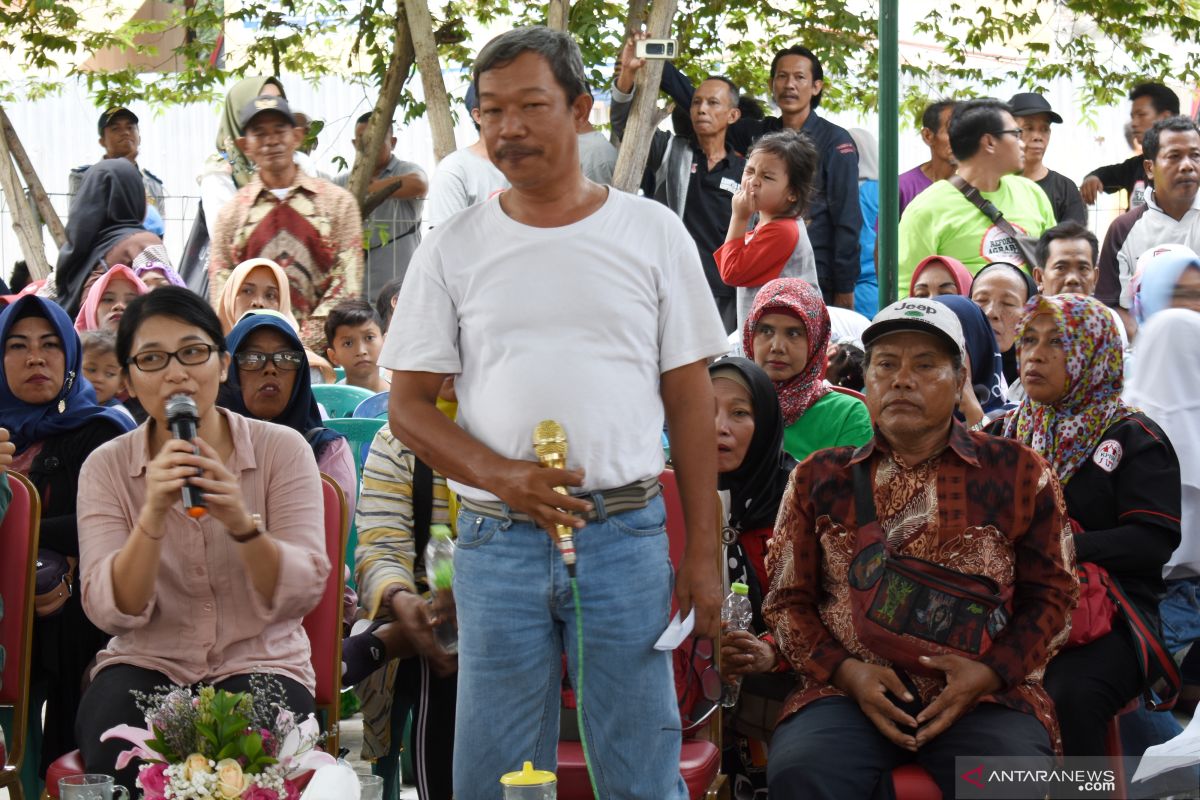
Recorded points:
(386, 552)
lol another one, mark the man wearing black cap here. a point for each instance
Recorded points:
(1034, 116)
(120, 138)
(307, 225)
(465, 177)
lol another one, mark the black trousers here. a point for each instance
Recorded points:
(830, 750)
(108, 702)
(432, 700)
(1089, 685)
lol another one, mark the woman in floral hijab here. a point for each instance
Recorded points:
(1121, 485)
(787, 334)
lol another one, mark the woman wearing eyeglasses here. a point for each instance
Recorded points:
(271, 381)
(193, 599)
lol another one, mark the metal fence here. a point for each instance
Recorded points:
(179, 214)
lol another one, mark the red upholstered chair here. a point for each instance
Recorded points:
(18, 567)
(323, 626)
(912, 782)
(850, 392)
(324, 623)
(700, 757)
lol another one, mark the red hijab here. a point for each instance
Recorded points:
(796, 298)
(962, 276)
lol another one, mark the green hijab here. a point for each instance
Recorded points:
(240, 94)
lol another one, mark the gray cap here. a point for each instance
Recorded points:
(920, 315)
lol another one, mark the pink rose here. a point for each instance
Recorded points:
(153, 780)
(259, 793)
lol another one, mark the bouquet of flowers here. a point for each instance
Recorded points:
(218, 745)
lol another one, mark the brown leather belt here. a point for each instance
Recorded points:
(605, 503)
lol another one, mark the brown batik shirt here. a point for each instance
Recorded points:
(984, 505)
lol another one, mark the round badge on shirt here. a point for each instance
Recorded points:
(1108, 455)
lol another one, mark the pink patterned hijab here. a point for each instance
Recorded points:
(1067, 432)
(796, 298)
(87, 319)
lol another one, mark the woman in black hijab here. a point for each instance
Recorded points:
(104, 227)
(754, 468)
(752, 465)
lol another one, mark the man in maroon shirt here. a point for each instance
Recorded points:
(966, 501)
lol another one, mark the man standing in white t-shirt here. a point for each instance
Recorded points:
(562, 299)
(465, 177)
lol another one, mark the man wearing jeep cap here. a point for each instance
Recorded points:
(121, 137)
(895, 664)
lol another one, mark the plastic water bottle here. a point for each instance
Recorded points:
(439, 570)
(736, 614)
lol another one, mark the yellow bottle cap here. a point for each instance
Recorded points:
(528, 776)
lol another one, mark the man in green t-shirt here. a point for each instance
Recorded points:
(986, 141)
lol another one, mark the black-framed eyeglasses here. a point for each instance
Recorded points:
(701, 686)
(253, 360)
(1017, 132)
(191, 356)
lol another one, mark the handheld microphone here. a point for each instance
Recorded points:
(183, 418)
(550, 446)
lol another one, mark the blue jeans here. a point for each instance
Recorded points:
(516, 617)
(1180, 612)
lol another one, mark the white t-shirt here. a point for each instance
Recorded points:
(574, 324)
(461, 180)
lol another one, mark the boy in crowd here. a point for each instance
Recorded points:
(354, 333)
(100, 366)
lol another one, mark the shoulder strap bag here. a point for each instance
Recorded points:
(1026, 245)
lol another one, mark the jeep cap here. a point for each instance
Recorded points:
(917, 314)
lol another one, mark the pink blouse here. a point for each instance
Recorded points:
(205, 621)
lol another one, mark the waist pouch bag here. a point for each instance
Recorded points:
(55, 573)
(906, 607)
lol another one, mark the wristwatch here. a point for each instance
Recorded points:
(253, 533)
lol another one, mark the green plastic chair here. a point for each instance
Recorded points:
(360, 433)
(340, 400)
(340, 372)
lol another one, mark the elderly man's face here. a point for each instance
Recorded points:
(911, 385)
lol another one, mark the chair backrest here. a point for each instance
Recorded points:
(340, 400)
(324, 623)
(18, 569)
(677, 542)
(850, 392)
(360, 433)
(374, 407)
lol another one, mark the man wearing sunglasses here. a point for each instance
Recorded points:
(987, 143)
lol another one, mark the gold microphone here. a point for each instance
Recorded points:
(550, 446)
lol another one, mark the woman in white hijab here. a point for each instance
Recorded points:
(1165, 383)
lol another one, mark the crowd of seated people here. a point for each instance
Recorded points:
(999, 426)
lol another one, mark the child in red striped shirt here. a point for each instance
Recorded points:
(776, 186)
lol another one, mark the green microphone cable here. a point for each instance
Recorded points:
(566, 545)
